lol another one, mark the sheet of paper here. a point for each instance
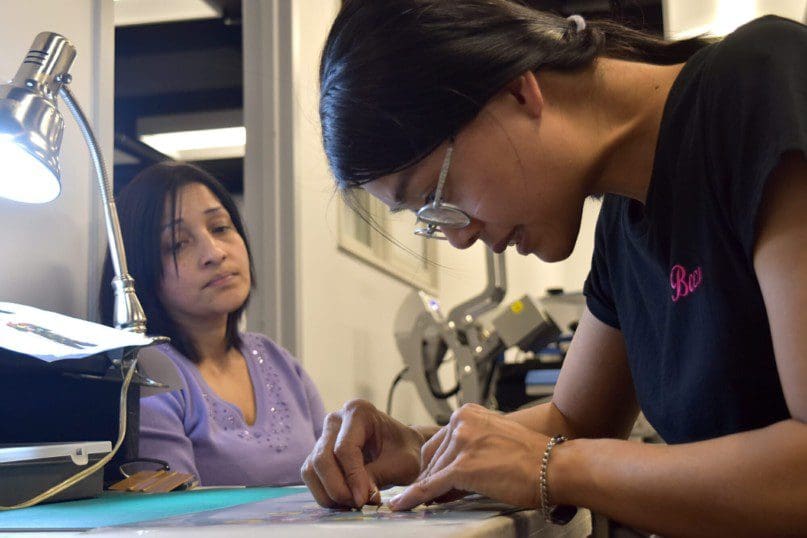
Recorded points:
(50, 336)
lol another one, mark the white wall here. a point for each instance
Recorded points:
(687, 18)
(347, 308)
(270, 205)
(49, 252)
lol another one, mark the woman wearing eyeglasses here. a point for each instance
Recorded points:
(494, 122)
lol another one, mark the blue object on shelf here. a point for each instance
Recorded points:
(544, 376)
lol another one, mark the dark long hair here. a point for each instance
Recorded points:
(398, 77)
(140, 209)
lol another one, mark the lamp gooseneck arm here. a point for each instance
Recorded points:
(128, 313)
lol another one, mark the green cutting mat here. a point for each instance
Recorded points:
(113, 508)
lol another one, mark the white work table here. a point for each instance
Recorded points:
(297, 515)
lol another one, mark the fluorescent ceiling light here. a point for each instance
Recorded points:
(129, 12)
(200, 145)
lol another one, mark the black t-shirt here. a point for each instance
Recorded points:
(676, 275)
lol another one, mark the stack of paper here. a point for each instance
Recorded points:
(50, 336)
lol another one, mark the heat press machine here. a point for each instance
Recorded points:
(427, 338)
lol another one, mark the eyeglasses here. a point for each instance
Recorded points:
(439, 215)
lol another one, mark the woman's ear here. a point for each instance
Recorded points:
(527, 93)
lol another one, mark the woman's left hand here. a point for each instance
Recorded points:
(478, 451)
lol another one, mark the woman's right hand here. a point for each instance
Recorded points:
(361, 450)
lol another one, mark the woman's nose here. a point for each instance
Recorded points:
(212, 251)
(463, 238)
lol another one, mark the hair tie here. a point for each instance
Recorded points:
(579, 22)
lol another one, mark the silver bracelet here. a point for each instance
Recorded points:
(546, 502)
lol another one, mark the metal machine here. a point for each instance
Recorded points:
(426, 342)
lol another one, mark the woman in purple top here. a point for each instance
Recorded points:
(247, 413)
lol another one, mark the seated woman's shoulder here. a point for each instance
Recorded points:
(260, 345)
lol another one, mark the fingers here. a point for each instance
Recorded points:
(431, 487)
(430, 447)
(445, 443)
(435, 448)
(315, 486)
(360, 449)
(451, 449)
(439, 468)
(349, 451)
(436, 481)
(322, 473)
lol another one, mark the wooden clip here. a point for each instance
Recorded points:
(155, 482)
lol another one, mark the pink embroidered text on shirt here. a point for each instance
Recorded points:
(682, 283)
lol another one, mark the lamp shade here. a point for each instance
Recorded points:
(30, 139)
(31, 126)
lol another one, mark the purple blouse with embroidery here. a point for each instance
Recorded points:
(197, 432)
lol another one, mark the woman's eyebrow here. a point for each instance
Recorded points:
(180, 220)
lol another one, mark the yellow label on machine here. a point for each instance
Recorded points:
(517, 307)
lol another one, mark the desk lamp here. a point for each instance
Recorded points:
(30, 140)
(31, 130)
